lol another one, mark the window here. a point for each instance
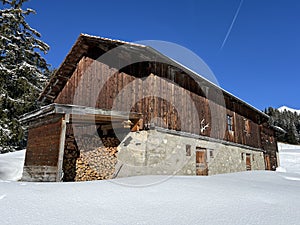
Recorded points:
(247, 126)
(188, 150)
(229, 123)
(211, 154)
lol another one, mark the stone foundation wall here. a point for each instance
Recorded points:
(158, 153)
(39, 173)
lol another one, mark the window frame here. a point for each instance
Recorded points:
(230, 123)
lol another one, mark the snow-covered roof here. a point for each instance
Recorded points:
(81, 48)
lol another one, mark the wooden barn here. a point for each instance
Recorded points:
(116, 109)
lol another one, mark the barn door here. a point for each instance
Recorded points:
(267, 162)
(248, 161)
(201, 164)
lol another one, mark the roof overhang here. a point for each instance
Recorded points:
(79, 114)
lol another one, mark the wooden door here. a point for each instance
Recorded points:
(267, 162)
(248, 161)
(201, 164)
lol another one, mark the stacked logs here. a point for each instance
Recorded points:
(89, 157)
(71, 153)
(96, 164)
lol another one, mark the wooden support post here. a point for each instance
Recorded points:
(65, 120)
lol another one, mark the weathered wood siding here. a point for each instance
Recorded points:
(169, 99)
(42, 152)
(269, 144)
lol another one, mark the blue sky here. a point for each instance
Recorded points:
(259, 61)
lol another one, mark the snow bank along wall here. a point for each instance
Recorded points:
(220, 132)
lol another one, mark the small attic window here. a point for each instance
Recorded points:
(229, 123)
(211, 154)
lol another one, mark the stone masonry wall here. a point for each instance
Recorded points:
(159, 153)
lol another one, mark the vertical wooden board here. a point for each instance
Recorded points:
(164, 104)
(108, 88)
(115, 93)
(79, 82)
(154, 99)
(196, 115)
(169, 97)
(195, 121)
(125, 92)
(161, 103)
(91, 82)
(131, 93)
(189, 110)
(87, 85)
(178, 107)
(174, 117)
(98, 83)
(140, 95)
(108, 74)
(104, 87)
(145, 102)
(183, 110)
(102, 91)
(137, 95)
(118, 89)
(158, 102)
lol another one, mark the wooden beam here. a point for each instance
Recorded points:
(59, 174)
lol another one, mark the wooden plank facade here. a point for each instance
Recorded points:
(138, 79)
(247, 123)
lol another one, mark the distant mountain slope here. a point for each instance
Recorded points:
(283, 108)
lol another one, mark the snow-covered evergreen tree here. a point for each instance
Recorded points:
(289, 121)
(22, 71)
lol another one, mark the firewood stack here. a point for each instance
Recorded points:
(70, 157)
(89, 157)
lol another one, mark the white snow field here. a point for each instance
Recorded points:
(11, 165)
(256, 197)
(289, 156)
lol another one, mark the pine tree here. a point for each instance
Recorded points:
(287, 120)
(22, 71)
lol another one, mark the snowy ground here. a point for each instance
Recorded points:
(11, 165)
(257, 197)
(289, 156)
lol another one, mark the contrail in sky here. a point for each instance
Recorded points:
(233, 21)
